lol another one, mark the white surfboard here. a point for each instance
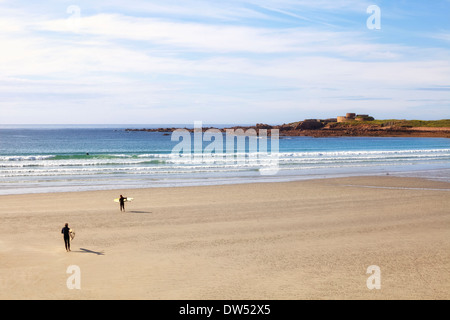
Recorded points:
(126, 200)
(72, 234)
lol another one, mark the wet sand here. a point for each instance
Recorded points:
(297, 240)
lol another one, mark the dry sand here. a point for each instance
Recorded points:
(299, 240)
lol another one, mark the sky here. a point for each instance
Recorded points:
(222, 62)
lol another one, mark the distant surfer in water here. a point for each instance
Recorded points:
(66, 232)
(122, 202)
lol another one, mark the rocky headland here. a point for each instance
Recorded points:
(324, 128)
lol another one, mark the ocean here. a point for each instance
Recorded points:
(40, 159)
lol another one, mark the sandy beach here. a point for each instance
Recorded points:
(298, 240)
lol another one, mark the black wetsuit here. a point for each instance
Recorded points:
(122, 203)
(66, 232)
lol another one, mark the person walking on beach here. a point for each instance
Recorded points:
(66, 232)
(122, 202)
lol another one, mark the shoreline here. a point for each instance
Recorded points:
(426, 181)
(311, 239)
(413, 174)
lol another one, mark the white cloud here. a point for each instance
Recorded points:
(189, 36)
(445, 36)
(321, 5)
(175, 37)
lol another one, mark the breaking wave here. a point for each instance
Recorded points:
(168, 163)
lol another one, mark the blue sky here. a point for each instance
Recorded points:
(238, 61)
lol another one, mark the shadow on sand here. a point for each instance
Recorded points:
(134, 211)
(90, 251)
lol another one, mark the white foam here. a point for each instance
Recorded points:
(26, 158)
(47, 165)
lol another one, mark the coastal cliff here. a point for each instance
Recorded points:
(398, 128)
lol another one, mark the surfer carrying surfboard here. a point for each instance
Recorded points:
(122, 200)
(66, 232)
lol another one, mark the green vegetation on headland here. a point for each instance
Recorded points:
(351, 125)
(445, 123)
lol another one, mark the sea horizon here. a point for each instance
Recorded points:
(116, 126)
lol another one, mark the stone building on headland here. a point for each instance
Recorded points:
(354, 117)
(313, 124)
